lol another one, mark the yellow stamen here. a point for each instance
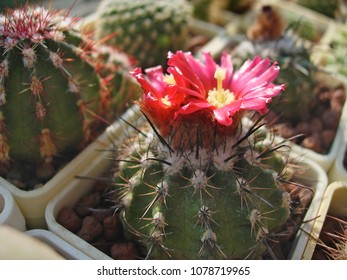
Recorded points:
(220, 97)
(166, 101)
(169, 79)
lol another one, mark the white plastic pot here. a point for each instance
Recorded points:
(338, 171)
(10, 213)
(77, 187)
(17, 245)
(334, 203)
(62, 247)
(326, 161)
(315, 176)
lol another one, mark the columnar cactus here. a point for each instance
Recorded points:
(198, 181)
(50, 90)
(145, 29)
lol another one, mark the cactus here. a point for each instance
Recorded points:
(297, 69)
(197, 181)
(5, 4)
(338, 250)
(50, 91)
(201, 9)
(113, 66)
(332, 241)
(237, 6)
(329, 8)
(145, 29)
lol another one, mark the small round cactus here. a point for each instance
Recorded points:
(145, 29)
(198, 181)
(52, 96)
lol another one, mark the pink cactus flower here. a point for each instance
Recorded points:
(193, 85)
(161, 99)
(221, 89)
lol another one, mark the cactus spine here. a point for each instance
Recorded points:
(197, 182)
(145, 29)
(50, 91)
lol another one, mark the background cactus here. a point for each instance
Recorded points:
(329, 8)
(332, 241)
(145, 29)
(52, 96)
(201, 9)
(113, 67)
(307, 109)
(13, 3)
(292, 53)
(236, 6)
(196, 181)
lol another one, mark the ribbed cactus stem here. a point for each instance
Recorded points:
(52, 96)
(185, 206)
(198, 180)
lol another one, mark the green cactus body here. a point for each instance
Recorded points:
(299, 73)
(50, 92)
(199, 181)
(328, 8)
(238, 6)
(145, 29)
(201, 203)
(201, 9)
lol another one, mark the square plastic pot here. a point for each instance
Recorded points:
(10, 214)
(334, 203)
(62, 247)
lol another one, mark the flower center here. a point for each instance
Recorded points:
(220, 97)
(165, 100)
(169, 79)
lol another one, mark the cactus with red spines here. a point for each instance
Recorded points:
(52, 96)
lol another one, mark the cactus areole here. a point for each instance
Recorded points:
(200, 183)
(50, 92)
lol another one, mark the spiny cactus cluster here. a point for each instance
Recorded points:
(52, 95)
(198, 181)
(269, 36)
(145, 29)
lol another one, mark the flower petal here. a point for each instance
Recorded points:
(192, 107)
(224, 115)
